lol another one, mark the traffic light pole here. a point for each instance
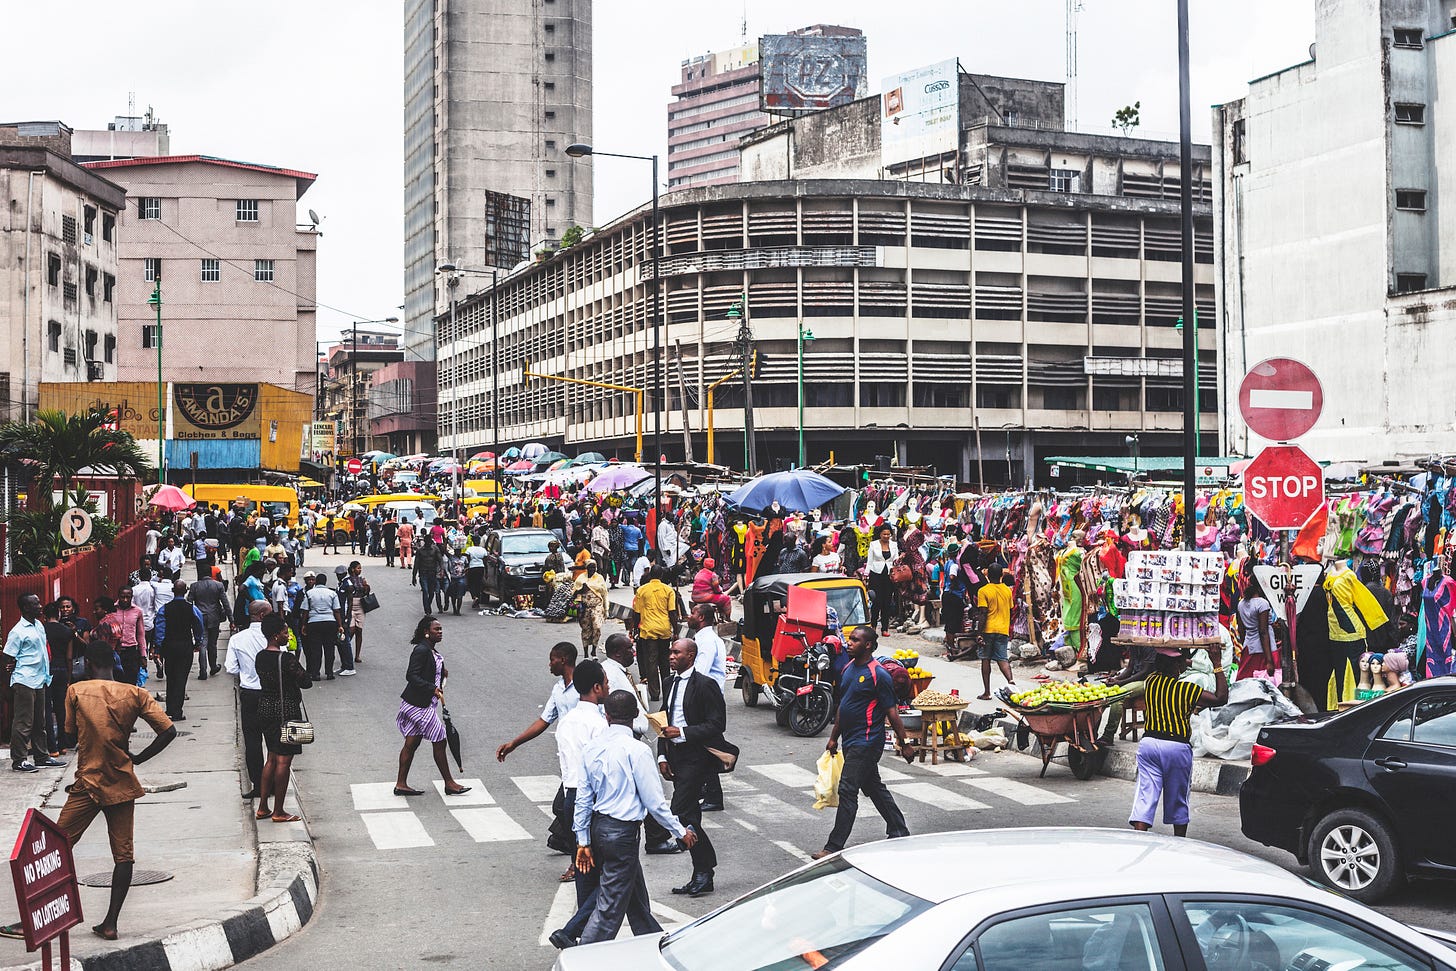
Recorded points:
(1190, 333)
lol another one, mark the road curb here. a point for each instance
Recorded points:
(1209, 775)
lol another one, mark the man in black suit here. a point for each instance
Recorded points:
(696, 717)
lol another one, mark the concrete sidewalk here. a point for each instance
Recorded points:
(237, 886)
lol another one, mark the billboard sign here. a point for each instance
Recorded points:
(920, 113)
(800, 73)
(322, 442)
(215, 411)
(129, 406)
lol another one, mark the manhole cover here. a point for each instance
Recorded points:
(139, 878)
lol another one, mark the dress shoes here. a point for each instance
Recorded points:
(666, 846)
(561, 940)
(701, 883)
(711, 807)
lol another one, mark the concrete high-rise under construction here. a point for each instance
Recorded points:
(494, 91)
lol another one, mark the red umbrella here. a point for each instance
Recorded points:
(482, 455)
(522, 466)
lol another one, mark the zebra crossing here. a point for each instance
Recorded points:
(761, 799)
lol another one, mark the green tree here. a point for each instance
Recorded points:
(572, 236)
(54, 449)
(1128, 117)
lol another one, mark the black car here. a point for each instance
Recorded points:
(514, 561)
(1361, 796)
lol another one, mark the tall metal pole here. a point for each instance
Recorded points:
(1190, 332)
(801, 393)
(454, 403)
(161, 411)
(495, 379)
(745, 344)
(656, 341)
(354, 389)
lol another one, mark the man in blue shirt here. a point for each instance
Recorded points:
(619, 786)
(30, 664)
(866, 700)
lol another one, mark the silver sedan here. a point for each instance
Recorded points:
(1054, 899)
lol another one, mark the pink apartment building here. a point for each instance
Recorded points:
(717, 103)
(238, 275)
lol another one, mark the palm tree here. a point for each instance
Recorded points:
(57, 446)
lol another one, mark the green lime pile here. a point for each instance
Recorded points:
(1064, 693)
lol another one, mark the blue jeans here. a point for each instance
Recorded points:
(621, 888)
(429, 590)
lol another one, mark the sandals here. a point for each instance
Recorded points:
(569, 875)
(263, 814)
(106, 934)
(13, 931)
(288, 819)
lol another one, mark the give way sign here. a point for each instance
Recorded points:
(1283, 486)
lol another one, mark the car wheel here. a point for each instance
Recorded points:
(1354, 852)
(749, 689)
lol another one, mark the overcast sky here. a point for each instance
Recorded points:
(316, 85)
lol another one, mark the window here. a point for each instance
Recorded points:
(550, 145)
(68, 229)
(108, 287)
(108, 348)
(92, 274)
(263, 271)
(152, 269)
(881, 394)
(69, 357)
(1409, 37)
(550, 56)
(91, 338)
(1436, 722)
(550, 86)
(211, 271)
(997, 396)
(1241, 148)
(1408, 282)
(550, 173)
(89, 223)
(53, 269)
(150, 335)
(1121, 936)
(1066, 180)
(550, 115)
(108, 227)
(149, 208)
(550, 202)
(1412, 200)
(1410, 114)
(1061, 399)
(247, 210)
(53, 335)
(550, 28)
(940, 395)
(1164, 399)
(1266, 934)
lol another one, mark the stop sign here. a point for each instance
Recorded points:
(355, 466)
(1283, 487)
(1280, 399)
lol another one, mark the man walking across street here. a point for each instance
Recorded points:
(696, 718)
(653, 624)
(866, 700)
(618, 788)
(180, 635)
(209, 596)
(578, 727)
(618, 666)
(30, 674)
(562, 660)
(243, 647)
(712, 661)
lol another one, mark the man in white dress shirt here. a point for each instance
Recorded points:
(242, 651)
(619, 786)
(562, 662)
(712, 661)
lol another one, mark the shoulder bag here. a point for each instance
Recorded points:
(294, 731)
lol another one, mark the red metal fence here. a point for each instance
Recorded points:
(84, 576)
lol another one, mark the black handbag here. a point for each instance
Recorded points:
(369, 602)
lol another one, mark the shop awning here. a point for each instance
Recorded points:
(1210, 468)
(306, 483)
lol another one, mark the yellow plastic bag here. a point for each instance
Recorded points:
(826, 787)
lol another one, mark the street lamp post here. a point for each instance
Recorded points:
(1190, 334)
(355, 429)
(156, 301)
(580, 150)
(455, 271)
(804, 335)
(1134, 443)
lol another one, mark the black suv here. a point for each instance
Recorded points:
(1363, 796)
(514, 561)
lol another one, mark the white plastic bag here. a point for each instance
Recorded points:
(826, 786)
(1229, 732)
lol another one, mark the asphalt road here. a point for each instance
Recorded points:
(470, 883)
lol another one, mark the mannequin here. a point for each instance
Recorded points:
(1069, 565)
(1136, 537)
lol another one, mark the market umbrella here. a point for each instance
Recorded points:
(558, 464)
(511, 453)
(171, 497)
(519, 467)
(381, 457)
(618, 477)
(797, 491)
(589, 458)
(533, 450)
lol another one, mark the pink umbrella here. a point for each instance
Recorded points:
(618, 477)
(171, 497)
(522, 466)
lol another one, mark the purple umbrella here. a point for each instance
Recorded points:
(618, 477)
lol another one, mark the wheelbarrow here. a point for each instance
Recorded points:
(1074, 725)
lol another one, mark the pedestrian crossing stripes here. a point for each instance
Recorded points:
(563, 906)
(760, 800)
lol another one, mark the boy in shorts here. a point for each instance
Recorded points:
(995, 597)
(100, 712)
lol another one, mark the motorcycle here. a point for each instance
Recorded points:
(803, 692)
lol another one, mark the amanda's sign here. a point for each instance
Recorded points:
(215, 411)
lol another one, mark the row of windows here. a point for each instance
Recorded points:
(211, 270)
(90, 338)
(702, 160)
(88, 221)
(747, 99)
(92, 275)
(723, 122)
(244, 210)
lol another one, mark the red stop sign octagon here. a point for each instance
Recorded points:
(1283, 486)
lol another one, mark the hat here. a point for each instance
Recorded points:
(709, 563)
(340, 571)
(310, 575)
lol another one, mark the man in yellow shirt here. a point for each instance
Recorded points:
(995, 597)
(654, 625)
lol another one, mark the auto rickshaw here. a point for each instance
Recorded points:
(797, 679)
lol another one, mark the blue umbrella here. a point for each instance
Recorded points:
(798, 491)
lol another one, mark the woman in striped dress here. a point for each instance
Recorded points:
(419, 707)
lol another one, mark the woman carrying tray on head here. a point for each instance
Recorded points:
(1165, 754)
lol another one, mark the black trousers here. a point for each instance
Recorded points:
(252, 728)
(178, 664)
(56, 704)
(882, 607)
(131, 665)
(690, 772)
(316, 637)
(861, 773)
(621, 887)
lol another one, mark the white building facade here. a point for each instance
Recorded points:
(1335, 224)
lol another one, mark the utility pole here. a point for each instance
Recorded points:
(682, 397)
(1190, 333)
(156, 301)
(744, 346)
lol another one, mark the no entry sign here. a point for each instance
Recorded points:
(1283, 487)
(355, 466)
(1280, 399)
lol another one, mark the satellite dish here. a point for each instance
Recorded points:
(313, 217)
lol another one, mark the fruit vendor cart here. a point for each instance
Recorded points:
(1073, 722)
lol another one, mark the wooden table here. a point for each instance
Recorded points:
(927, 737)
